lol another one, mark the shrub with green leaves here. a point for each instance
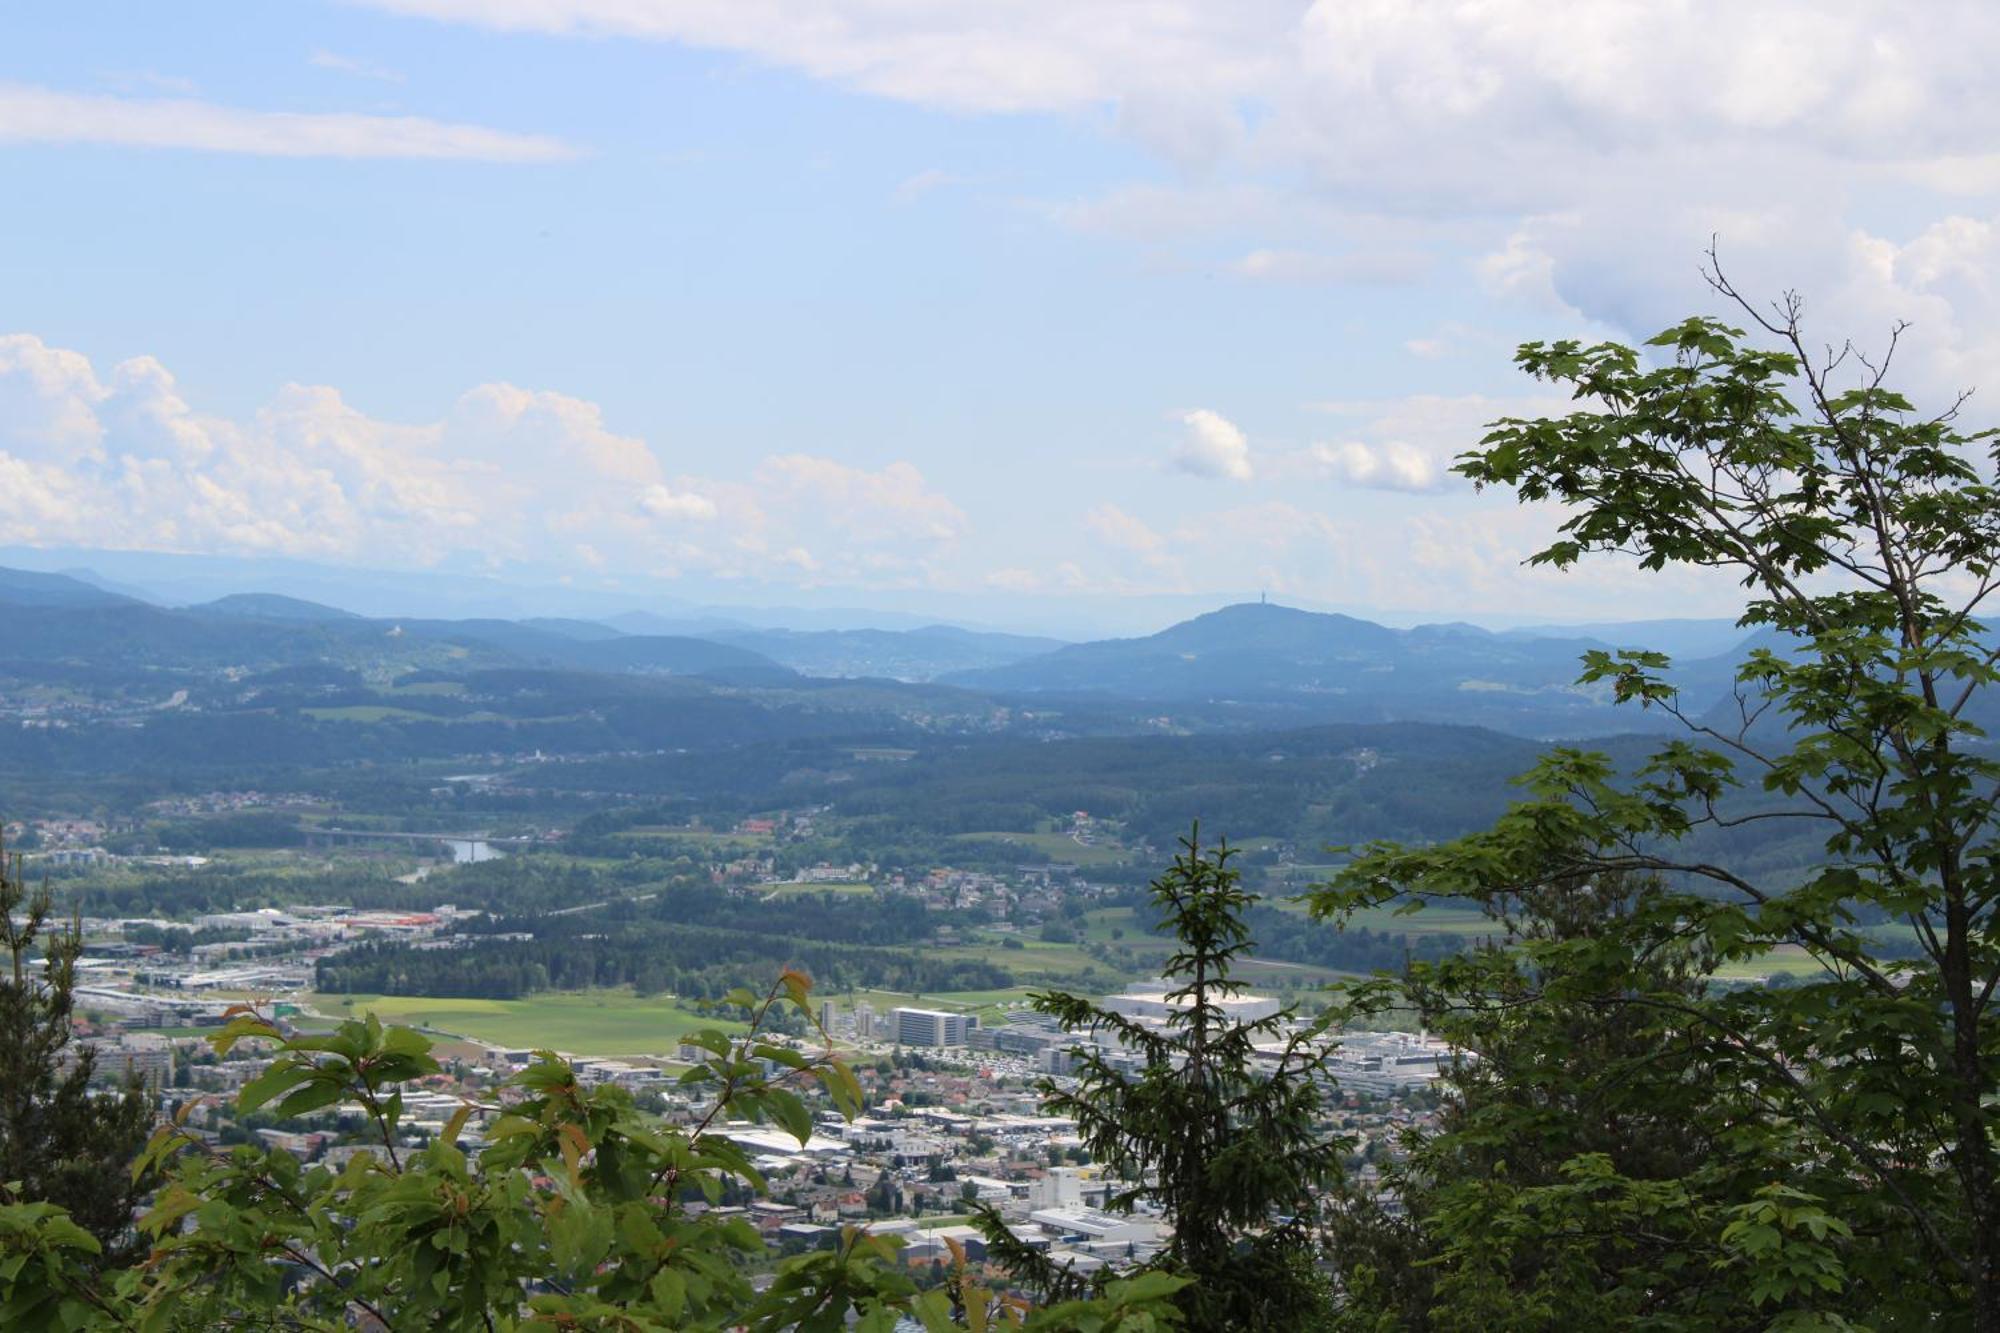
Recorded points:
(1860, 1100)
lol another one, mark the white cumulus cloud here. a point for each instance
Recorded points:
(1212, 446)
(1409, 444)
(662, 501)
(507, 475)
(1393, 465)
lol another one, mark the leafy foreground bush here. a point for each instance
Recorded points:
(1644, 1148)
(576, 1215)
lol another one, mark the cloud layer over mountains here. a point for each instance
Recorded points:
(119, 458)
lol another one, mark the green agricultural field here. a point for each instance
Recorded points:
(368, 713)
(1893, 934)
(1786, 960)
(1058, 847)
(1136, 927)
(841, 887)
(601, 1023)
(432, 687)
(1433, 920)
(700, 837)
(1270, 972)
(1470, 924)
(1036, 959)
(988, 1004)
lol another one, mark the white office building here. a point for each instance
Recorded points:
(930, 1027)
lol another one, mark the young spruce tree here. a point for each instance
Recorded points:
(1230, 1148)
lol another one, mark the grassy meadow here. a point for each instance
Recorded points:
(1058, 847)
(599, 1022)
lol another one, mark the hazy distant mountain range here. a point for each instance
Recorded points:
(185, 580)
(1245, 665)
(688, 606)
(1336, 667)
(57, 617)
(928, 653)
(21, 587)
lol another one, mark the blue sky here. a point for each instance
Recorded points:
(974, 310)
